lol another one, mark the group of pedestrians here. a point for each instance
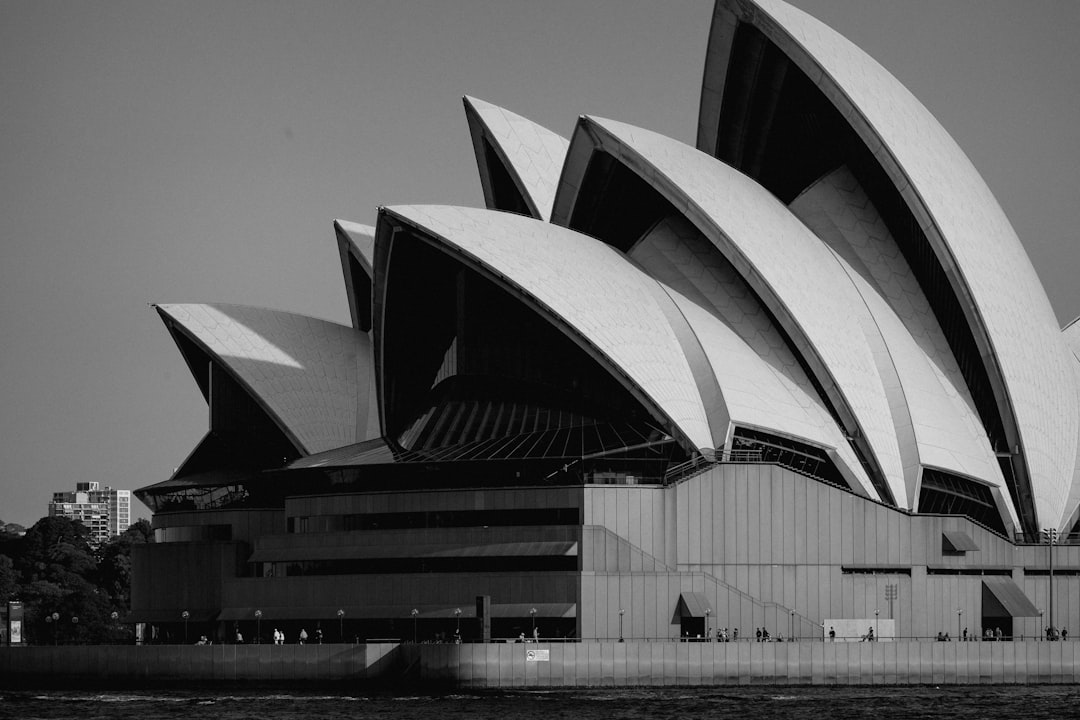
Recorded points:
(1053, 634)
(722, 635)
(279, 637)
(301, 639)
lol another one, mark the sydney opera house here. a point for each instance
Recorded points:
(801, 375)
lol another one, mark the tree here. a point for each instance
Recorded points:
(54, 570)
(9, 579)
(114, 568)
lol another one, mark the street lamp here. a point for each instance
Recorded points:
(959, 612)
(414, 613)
(258, 626)
(708, 626)
(457, 617)
(341, 624)
(51, 620)
(621, 613)
(791, 628)
(876, 613)
(532, 614)
(74, 627)
(185, 615)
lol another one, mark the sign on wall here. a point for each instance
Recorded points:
(537, 655)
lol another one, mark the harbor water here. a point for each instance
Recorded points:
(746, 703)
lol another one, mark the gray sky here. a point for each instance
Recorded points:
(199, 151)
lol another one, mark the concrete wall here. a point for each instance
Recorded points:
(749, 663)
(503, 665)
(187, 575)
(795, 545)
(256, 663)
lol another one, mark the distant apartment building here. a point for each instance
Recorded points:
(105, 512)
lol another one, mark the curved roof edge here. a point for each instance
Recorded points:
(764, 241)
(583, 287)
(357, 242)
(531, 154)
(756, 398)
(1071, 515)
(1008, 312)
(308, 375)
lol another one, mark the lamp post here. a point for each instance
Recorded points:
(1051, 537)
(414, 613)
(457, 619)
(891, 593)
(959, 612)
(621, 613)
(708, 625)
(876, 613)
(341, 624)
(258, 626)
(791, 628)
(532, 616)
(74, 628)
(51, 621)
(185, 615)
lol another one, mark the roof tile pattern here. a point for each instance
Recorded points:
(941, 416)
(785, 264)
(308, 374)
(763, 384)
(531, 153)
(606, 303)
(1005, 301)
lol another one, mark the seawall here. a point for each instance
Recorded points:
(587, 664)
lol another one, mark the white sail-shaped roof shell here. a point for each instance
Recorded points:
(945, 431)
(592, 292)
(1006, 307)
(314, 378)
(1071, 335)
(764, 387)
(785, 264)
(532, 155)
(356, 241)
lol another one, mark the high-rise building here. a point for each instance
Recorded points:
(105, 512)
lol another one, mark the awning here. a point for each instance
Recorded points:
(957, 541)
(692, 604)
(401, 612)
(1003, 597)
(559, 548)
(159, 617)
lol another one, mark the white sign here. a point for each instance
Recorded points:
(537, 655)
(16, 632)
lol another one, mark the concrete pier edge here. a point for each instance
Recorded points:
(549, 665)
